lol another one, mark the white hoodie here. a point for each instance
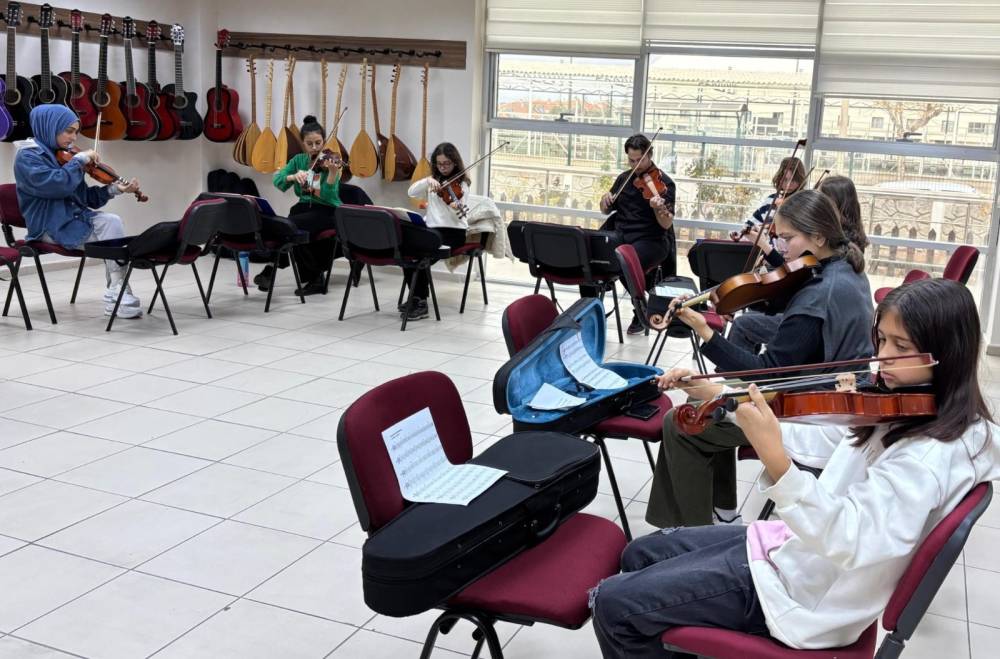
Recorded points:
(439, 214)
(827, 570)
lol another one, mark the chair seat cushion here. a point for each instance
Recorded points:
(715, 321)
(576, 280)
(49, 248)
(746, 453)
(467, 248)
(712, 642)
(325, 234)
(189, 256)
(881, 293)
(238, 246)
(549, 582)
(623, 426)
(374, 260)
(9, 254)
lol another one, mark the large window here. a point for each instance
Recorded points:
(901, 120)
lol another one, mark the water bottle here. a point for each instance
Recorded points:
(243, 263)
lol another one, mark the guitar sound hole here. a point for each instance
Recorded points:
(180, 102)
(154, 102)
(78, 91)
(46, 96)
(133, 100)
(102, 100)
(12, 97)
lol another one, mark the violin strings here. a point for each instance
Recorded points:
(820, 376)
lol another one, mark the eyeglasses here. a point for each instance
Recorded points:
(445, 163)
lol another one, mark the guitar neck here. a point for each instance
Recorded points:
(129, 72)
(178, 72)
(75, 61)
(11, 68)
(218, 76)
(102, 69)
(46, 70)
(151, 67)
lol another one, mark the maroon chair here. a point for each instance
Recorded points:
(11, 218)
(164, 245)
(912, 275)
(908, 604)
(11, 258)
(475, 252)
(635, 282)
(547, 583)
(526, 318)
(961, 263)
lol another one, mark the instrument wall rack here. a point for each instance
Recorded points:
(91, 26)
(377, 50)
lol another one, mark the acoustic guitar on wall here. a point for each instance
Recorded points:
(136, 102)
(364, 157)
(161, 102)
(81, 85)
(222, 119)
(48, 88)
(18, 90)
(185, 103)
(107, 95)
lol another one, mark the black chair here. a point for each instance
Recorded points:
(11, 258)
(244, 229)
(164, 244)
(561, 255)
(714, 261)
(370, 235)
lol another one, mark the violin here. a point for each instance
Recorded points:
(651, 184)
(744, 290)
(99, 171)
(451, 193)
(324, 156)
(847, 406)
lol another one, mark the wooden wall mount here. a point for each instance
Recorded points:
(61, 15)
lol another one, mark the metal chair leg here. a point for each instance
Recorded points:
(295, 272)
(649, 456)
(618, 317)
(538, 284)
(211, 280)
(482, 278)
(156, 293)
(347, 289)
(45, 288)
(118, 300)
(409, 300)
(465, 290)
(614, 486)
(371, 281)
(242, 275)
(15, 285)
(166, 307)
(76, 284)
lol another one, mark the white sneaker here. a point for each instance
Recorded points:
(128, 300)
(719, 520)
(123, 311)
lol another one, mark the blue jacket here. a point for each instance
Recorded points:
(54, 198)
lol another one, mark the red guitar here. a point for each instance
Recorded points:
(161, 102)
(81, 85)
(136, 102)
(222, 120)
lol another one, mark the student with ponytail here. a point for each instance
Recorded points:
(819, 576)
(316, 183)
(828, 319)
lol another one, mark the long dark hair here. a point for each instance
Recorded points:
(311, 125)
(813, 213)
(798, 170)
(448, 150)
(941, 318)
(845, 196)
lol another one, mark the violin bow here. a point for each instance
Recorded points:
(820, 179)
(458, 176)
(628, 178)
(97, 133)
(928, 360)
(752, 255)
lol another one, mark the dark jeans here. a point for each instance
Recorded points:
(676, 577)
(751, 330)
(314, 258)
(449, 238)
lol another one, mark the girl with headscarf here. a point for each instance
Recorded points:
(58, 206)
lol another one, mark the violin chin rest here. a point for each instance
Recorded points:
(719, 413)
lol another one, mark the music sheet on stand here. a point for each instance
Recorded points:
(424, 473)
(584, 369)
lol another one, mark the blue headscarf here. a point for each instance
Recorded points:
(47, 121)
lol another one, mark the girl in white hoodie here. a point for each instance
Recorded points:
(823, 573)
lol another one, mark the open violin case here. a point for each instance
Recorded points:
(431, 551)
(517, 381)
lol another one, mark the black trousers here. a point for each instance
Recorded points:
(315, 257)
(449, 238)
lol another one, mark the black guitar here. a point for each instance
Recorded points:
(19, 90)
(48, 88)
(185, 103)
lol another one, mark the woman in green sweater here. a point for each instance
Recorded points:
(318, 190)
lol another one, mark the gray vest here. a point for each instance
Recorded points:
(842, 299)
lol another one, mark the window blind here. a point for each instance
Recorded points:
(572, 26)
(732, 22)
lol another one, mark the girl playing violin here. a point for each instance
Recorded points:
(316, 182)
(58, 206)
(789, 178)
(442, 216)
(828, 319)
(823, 573)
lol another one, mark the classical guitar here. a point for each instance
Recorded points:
(185, 103)
(136, 103)
(18, 90)
(243, 149)
(81, 85)
(423, 168)
(107, 95)
(399, 162)
(161, 102)
(222, 119)
(381, 141)
(48, 88)
(333, 142)
(262, 156)
(364, 157)
(5, 120)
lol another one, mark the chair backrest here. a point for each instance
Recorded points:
(515, 238)
(558, 247)
(631, 267)
(368, 228)
(525, 318)
(961, 264)
(241, 217)
(352, 194)
(201, 221)
(932, 562)
(370, 475)
(915, 275)
(10, 210)
(714, 261)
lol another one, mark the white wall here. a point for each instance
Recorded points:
(173, 172)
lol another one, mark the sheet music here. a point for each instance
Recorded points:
(552, 398)
(672, 291)
(424, 473)
(584, 369)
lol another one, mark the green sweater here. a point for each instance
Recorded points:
(329, 193)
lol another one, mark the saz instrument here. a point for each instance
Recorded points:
(262, 156)
(333, 142)
(423, 168)
(398, 163)
(363, 157)
(243, 150)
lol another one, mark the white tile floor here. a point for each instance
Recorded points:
(183, 496)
